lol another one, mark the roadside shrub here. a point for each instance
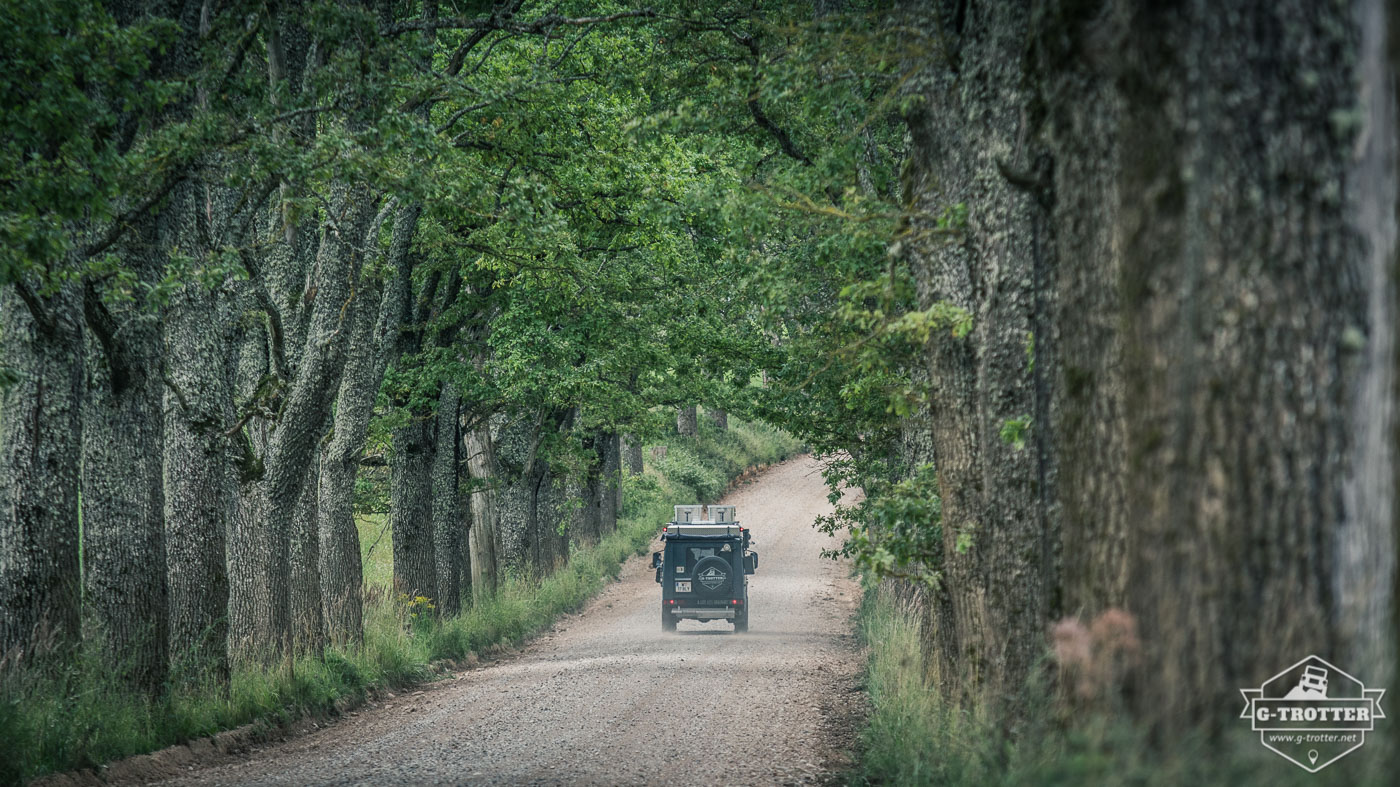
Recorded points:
(684, 467)
(913, 737)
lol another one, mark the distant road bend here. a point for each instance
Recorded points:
(606, 698)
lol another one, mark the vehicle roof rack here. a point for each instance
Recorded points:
(703, 529)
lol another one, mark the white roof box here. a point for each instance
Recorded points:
(688, 514)
(720, 514)
(703, 529)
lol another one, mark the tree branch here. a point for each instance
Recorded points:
(119, 226)
(778, 133)
(36, 307)
(99, 318)
(276, 333)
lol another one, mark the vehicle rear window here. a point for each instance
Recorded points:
(683, 557)
(693, 555)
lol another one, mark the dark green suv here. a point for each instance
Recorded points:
(703, 568)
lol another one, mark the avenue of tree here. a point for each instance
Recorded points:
(1095, 302)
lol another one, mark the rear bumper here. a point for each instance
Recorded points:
(703, 613)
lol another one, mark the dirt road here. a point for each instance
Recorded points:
(606, 698)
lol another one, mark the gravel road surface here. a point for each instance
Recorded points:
(606, 698)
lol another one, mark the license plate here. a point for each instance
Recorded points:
(682, 587)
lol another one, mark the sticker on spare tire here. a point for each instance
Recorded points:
(712, 577)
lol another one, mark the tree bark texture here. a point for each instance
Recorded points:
(556, 503)
(295, 439)
(199, 483)
(534, 503)
(687, 423)
(202, 463)
(308, 620)
(586, 525)
(411, 509)
(610, 487)
(367, 356)
(995, 562)
(632, 454)
(513, 446)
(718, 417)
(1240, 282)
(449, 521)
(123, 499)
(1164, 269)
(40, 447)
(481, 469)
(248, 547)
(1389, 260)
(1367, 542)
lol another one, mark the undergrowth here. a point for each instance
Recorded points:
(913, 737)
(82, 717)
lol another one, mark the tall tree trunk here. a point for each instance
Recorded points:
(598, 513)
(994, 560)
(1197, 293)
(342, 576)
(294, 441)
(247, 545)
(197, 481)
(531, 499)
(448, 523)
(308, 620)
(610, 486)
(687, 421)
(481, 467)
(367, 357)
(411, 509)
(718, 417)
(513, 445)
(1389, 260)
(586, 525)
(556, 496)
(124, 559)
(1368, 538)
(464, 516)
(632, 454)
(411, 464)
(1240, 283)
(40, 447)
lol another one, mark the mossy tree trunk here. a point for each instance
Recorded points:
(481, 469)
(997, 568)
(40, 450)
(123, 494)
(687, 421)
(632, 454)
(1165, 278)
(450, 521)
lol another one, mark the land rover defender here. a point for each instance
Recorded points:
(703, 567)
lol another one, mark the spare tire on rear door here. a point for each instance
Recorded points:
(712, 576)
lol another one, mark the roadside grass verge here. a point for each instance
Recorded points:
(912, 737)
(82, 717)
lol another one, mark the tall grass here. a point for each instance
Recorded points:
(702, 468)
(83, 717)
(913, 737)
